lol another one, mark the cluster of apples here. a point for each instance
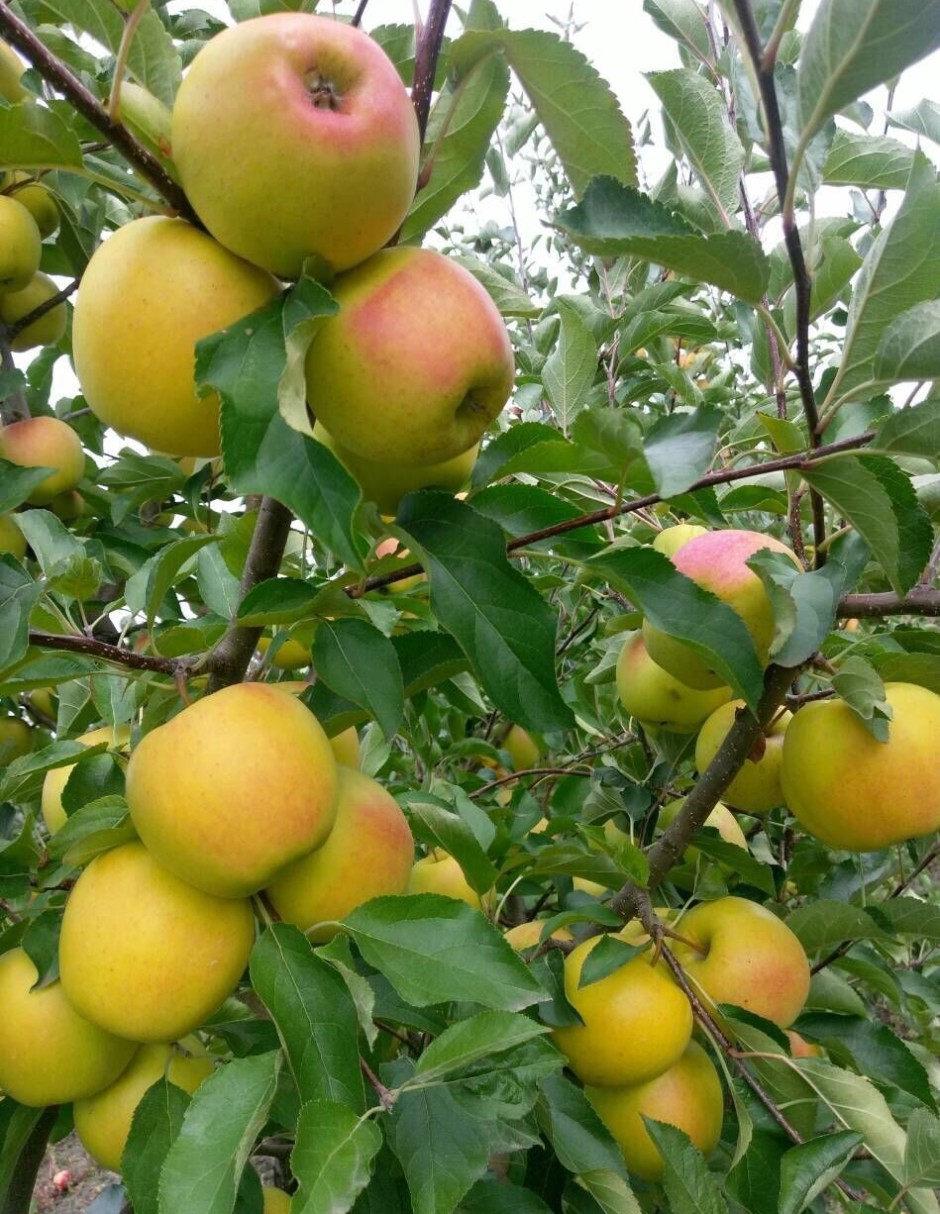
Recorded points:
(296, 142)
(842, 785)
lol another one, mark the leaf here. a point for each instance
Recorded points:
(869, 161)
(147, 589)
(218, 586)
(878, 499)
(19, 594)
(806, 1170)
(683, 21)
(824, 923)
(569, 370)
(504, 290)
(853, 45)
(523, 509)
(922, 119)
(358, 662)
(690, 1187)
(610, 1191)
(36, 137)
(862, 688)
(205, 1163)
(433, 949)
(449, 830)
(914, 430)
(16, 483)
(911, 917)
(279, 600)
(754, 1181)
(910, 347)
(922, 1156)
(484, 1036)
(155, 1126)
(96, 827)
(679, 449)
(314, 1015)
(503, 625)
(870, 1048)
(17, 1123)
(498, 1197)
(579, 1138)
(332, 1157)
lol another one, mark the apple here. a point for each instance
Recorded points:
(721, 818)
(150, 292)
(289, 655)
(49, 329)
(69, 506)
(20, 245)
(35, 197)
(655, 698)
(717, 562)
(43, 700)
(55, 780)
(257, 777)
(736, 951)
(390, 547)
(853, 792)
(276, 1201)
(103, 1121)
(687, 1095)
(11, 69)
(369, 853)
(671, 539)
(439, 873)
(345, 744)
(12, 540)
(16, 739)
(294, 137)
(386, 484)
(521, 747)
(801, 1048)
(45, 442)
(145, 955)
(637, 1021)
(756, 788)
(528, 935)
(416, 364)
(49, 1054)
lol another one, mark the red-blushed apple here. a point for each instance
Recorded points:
(717, 561)
(20, 245)
(655, 698)
(736, 951)
(369, 853)
(145, 955)
(416, 364)
(439, 873)
(671, 539)
(149, 293)
(45, 442)
(294, 136)
(257, 777)
(756, 788)
(637, 1021)
(687, 1095)
(48, 329)
(853, 792)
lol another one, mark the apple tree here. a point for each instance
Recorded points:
(652, 702)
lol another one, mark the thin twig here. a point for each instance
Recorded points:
(41, 309)
(73, 643)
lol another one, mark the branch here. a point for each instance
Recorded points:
(72, 643)
(922, 600)
(13, 407)
(426, 57)
(41, 309)
(53, 70)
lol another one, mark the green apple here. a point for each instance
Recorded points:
(149, 293)
(16, 739)
(49, 329)
(717, 561)
(11, 69)
(20, 245)
(35, 197)
(144, 955)
(45, 442)
(416, 364)
(671, 539)
(294, 137)
(756, 788)
(854, 792)
(655, 698)
(439, 873)
(257, 776)
(12, 540)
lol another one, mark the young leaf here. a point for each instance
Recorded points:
(332, 1157)
(157, 1122)
(357, 662)
(910, 347)
(806, 1170)
(468, 1042)
(690, 1187)
(679, 449)
(859, 684)
(569, 370)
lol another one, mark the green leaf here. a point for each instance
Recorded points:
(484, 1036)
(314, 1015)
(870, 1048)
(451, 832)
(577, 108)
(922, 1156)
(910, 347)
(689, 1186)
(503, 625)
(579, 1138)
(914, 430)
(279, 600)
(498, 1197)
(504, 290)
(610, 1191)
(17, 1123)
(806, 1170)
(699, 118)
(36, 137)
(332, 1157)
(19, 594)
(754, 1181)
(147, 589)
(824, 923)
(16, 483)
(677, 606)
(869, 161)
(203, 1166)
(358, 662)
(523, 509)
(878, 499)
(853, 45)
(95, 828)
(683, 21)
(863, 689)
(679, 449)
(569, 371)
(218, 586)
(156, 1124)
(614, 221)
(911, 917)
(922, 119)
(433, 949)
(613, 432)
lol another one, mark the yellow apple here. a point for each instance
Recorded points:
(671, 539)
(657, 699)
(55, 780)
(521, 747)
(48, 329)
(717, 562)
(69, 506)
(103, 1121)
(43, 701)
(144, 955)
(756, 788)
(801, 1048)
(276, 1201)
(528, 935)
(345, 744)
(45, 442)
(35, 197)
(390, 547)
(637, 1021)
(16, 739)
(49, 1054)
(257, 777)
(687, 1095)
(370, 852)
(289, 655)
(416, 364)
(12, 540)
(739, 952)
(721, 818)
(150, 292)
(854, 792)
(294, 137)
(11, 69)
(439, 873)
(20, 245)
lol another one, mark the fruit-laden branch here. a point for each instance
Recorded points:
(53, 70)
(922, 600)
(426, 57)
(13, 407)
(110, 653)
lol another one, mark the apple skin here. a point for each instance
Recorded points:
(49, 1054)
(290, 654)
(257, 776)
(294, 136)
(671, 539)
(656, 698)
(801, 1048)
(145, 955)
(856, 793)
(20, 245)
(688, 1095)
(756, 788)
(527, 935)
(55, 780)
(16, 739)
(521, 748)
(345, 744)
(439, 873)
(35, 197)
(416, 364)
(637, 1021)
(276, 1201)
(12, 540)
(717, 562)
(149, 293)
(49, 329)
(721, 818)
(741, 953)
(11, 69)
(103, 1121)
(45, 442)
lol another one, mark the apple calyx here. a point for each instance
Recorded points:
(323, 92)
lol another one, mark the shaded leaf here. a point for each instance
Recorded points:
(922, 1157)
(332, 1157)
(358, 662)
(19, 593)
(914, 430)
(690, 1187)
(679, 449)
(910, 347)
(36, 137)
(155, 1126)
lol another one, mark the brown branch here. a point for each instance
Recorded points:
(13, 407)
(360, 13)
(426, 57)
(109, 653)
(922, 600)
(57, 74)
(41, 309)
